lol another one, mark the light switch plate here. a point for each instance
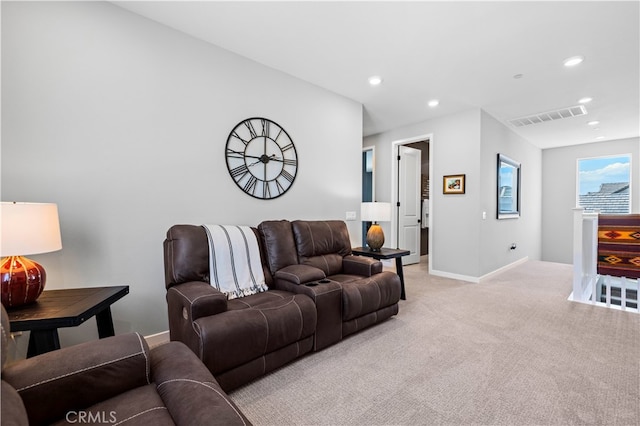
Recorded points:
(351, 215)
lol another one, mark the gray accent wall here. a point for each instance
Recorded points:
(123, 122)
(559, 175)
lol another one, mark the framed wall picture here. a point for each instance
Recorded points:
(508, 199)
(453, 184)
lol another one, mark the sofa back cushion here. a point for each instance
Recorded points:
(322, 244)
(278, 244)
(186, 255)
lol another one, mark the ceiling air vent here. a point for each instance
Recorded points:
(543, 117)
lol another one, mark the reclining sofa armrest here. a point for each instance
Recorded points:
(195, 299)
(76, 377)
(359, 265)
(299, 274)
(187, 303)
(188, 389)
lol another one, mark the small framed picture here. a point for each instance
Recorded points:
(453, 184)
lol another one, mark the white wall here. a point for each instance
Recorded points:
(123, 122)
(455, 218)
(559, 174)
(463, 244)
(496, 236)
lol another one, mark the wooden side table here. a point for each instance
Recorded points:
(386, 253)
(64, 308)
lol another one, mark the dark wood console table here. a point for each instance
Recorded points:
(386, 253)
(64, 308)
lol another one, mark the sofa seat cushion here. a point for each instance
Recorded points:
(345, 278)
(258, 299)
(139, 406)
(254, 326)
(366, 295)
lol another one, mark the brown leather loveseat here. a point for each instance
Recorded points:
(113, 380)
(318, 294)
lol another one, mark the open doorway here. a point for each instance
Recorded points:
(411, 219)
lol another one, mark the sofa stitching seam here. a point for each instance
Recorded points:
(301, 319)
(146, 360)
(210, 386)
(71, 373)
(266, 341)
(140, 413)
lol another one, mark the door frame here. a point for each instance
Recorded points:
(371, 148)
(394, 188)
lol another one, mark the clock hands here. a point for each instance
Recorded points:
(242, 154)
(263, 158)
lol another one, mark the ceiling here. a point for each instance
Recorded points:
(465, 54)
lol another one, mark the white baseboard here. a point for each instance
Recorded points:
(477, 280)
(504, 268)
(157, 339)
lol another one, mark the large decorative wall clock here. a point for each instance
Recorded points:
(261, 158)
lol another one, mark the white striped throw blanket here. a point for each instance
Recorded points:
(234, 260)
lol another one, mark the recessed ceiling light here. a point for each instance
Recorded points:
(600, 137)
(518, 76)
(585, 100)
(573, 61)
(433, 103)
(375, 80)
(593, 123)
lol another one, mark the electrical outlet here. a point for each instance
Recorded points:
(351, 215)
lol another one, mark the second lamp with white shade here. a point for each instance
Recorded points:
(375, 212)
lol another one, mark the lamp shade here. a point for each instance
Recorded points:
(29, 228)
(375, 212)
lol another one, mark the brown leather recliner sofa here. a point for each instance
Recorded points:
(113, 380)
(318, 294)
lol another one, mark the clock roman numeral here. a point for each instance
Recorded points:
(265, 127)
(234, 154)
(235, 135)
(289, 162)
(266, 191)
(252, 131)
(239, 172)
(250, 186)
(287, 147)
(285, 174)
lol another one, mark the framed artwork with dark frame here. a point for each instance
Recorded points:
(508, 197)
(453, 184)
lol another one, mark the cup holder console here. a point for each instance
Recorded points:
(322, 281)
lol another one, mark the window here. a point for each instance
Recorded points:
(603, 184)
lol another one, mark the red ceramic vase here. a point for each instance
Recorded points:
(22, 281)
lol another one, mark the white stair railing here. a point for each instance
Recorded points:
(585, 246)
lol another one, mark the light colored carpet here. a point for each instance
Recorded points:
(509, 351)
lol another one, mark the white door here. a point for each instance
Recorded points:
(409, 166)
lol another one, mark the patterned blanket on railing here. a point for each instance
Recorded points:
(619, 245)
